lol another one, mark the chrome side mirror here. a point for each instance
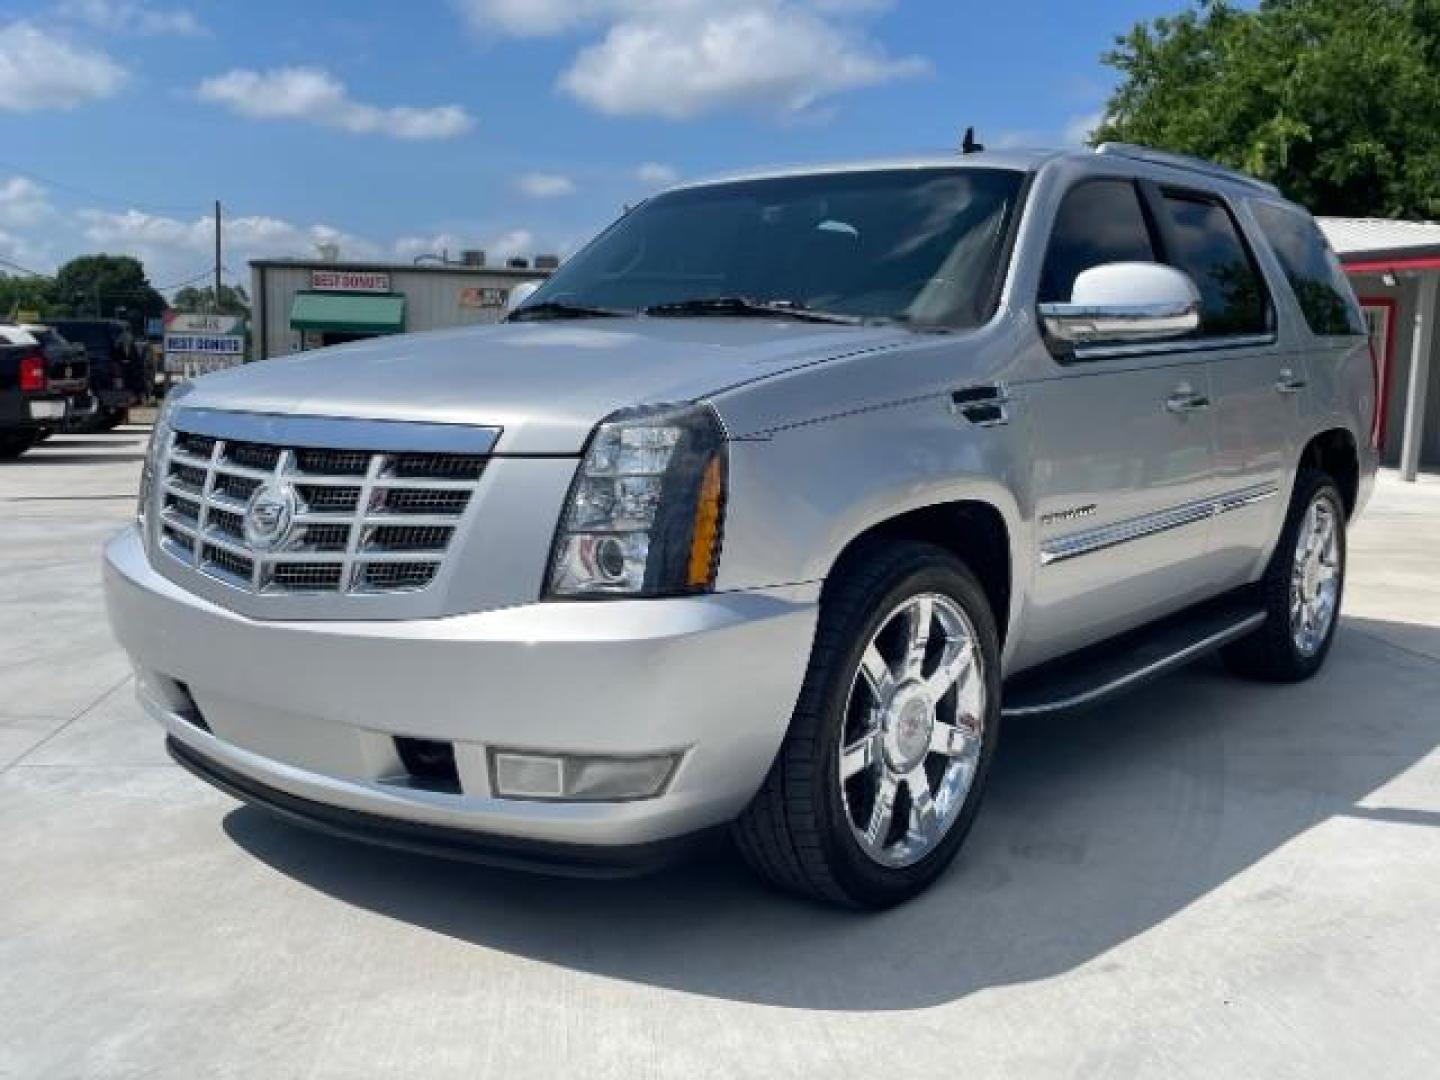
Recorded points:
(1124, 303)
(519, 294)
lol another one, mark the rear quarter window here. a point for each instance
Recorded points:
(1315, 275)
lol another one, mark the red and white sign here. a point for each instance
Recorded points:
(374, 281)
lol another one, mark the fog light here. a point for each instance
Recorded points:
(528, 776)
(580, 779)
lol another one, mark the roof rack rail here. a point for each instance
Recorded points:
(1183, 161)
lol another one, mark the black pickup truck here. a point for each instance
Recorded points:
(116, 376)
(44, 383)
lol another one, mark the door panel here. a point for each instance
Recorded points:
(1257, 414)
(1122, 487)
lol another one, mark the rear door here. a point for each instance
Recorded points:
(1121, 443)
(1254, 384)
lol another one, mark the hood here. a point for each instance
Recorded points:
(546, 384)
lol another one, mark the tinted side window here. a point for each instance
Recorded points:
(1312, 269)
(1100, 221)
(1208, 247)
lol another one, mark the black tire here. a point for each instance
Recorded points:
(13, 444)
(796, 832)
(1271, 654)
(113, 419)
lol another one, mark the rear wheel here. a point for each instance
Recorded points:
(1301, 590)
(881, 772)
(13, 444)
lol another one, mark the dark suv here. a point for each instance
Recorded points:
(116, 376)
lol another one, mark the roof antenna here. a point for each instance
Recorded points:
(968, 145)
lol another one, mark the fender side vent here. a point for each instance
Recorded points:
(983, 406)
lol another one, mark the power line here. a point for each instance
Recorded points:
(158, 208)
(187, 281)
(22, 269)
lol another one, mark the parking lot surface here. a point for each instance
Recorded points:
(1206, 879)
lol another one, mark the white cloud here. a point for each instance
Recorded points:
(681, 58)
(759, 55)
(529, 18)
(41, 70)
(133, 17)
(655, 174)
(514, 242)
(1078, 128)
(446, 243)
(24, 253)
(172, 249)
(23, 203)
(539, 185)
(497, 248)
(315, 96)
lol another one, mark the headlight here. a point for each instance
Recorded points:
(159, 440)
(646, 508)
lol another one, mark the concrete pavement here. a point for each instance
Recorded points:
(1207, 879)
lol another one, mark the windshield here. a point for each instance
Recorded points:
(921, 246)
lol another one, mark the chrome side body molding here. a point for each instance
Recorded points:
(1107, 536)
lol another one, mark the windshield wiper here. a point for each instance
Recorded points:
(561, 309)
(702, 306)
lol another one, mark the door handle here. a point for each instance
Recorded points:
(1289, 382)
(1185, 400)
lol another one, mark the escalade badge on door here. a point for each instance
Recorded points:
(270, 515)
(1073, 513)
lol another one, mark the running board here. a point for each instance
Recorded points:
(1113, 667)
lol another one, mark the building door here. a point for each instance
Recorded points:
(1380, 324)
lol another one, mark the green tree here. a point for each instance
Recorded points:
(26, 293)
(1337, 102)
(108, 286)
(234, 300)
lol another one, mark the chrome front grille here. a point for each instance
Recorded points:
(358, 521)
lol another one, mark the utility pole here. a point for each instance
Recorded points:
(217, 256)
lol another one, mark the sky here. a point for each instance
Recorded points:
(515, 126)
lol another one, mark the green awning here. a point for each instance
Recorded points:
(353, 312)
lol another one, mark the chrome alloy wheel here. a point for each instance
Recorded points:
(914, 726)
(1315, 577)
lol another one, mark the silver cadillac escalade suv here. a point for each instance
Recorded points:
(765, 512)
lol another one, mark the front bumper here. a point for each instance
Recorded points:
(307, 711)
(573, 860)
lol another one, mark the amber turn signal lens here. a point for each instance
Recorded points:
(707, 526)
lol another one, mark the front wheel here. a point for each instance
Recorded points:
(1301, 589)
(881, 772)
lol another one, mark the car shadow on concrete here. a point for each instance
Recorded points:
(91, 442)
(44, 455)
(1098, 827)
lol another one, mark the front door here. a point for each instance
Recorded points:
(1122, 453)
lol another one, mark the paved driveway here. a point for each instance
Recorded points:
(1208, 879)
